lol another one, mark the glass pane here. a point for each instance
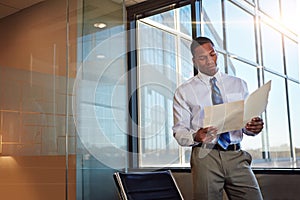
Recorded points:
(165, 18)
(240, 32)
(213, 22)
(272, 48)
(294, 106)
(248, 5)
(186, 71)
(36, 120)
(270, 7)
(157, 75)
(164, 62)
(277, 128)
(289, 14)
(221, 62)
(185, 20)
(246, 72)
(249, 73)
(151, 41)
(291, 58)
(100, 99)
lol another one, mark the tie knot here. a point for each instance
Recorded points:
(213, 80)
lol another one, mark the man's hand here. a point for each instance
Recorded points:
(255, 125)
(205, 135)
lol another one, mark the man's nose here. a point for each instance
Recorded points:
(210, 59)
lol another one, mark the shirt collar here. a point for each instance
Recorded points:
(206, 79)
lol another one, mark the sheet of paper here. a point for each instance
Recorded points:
(256, 102)
(225, 117)
(234, 115)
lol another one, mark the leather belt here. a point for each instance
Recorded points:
(232, 147)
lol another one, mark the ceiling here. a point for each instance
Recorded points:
(8, 7)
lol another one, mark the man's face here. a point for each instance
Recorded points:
(205, 59)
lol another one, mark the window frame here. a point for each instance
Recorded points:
(146, 9)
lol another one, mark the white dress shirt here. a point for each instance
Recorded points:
(193, 95)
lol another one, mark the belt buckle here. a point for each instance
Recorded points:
(235, 147)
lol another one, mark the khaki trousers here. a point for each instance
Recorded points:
(214, 170)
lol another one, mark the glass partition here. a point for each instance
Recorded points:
(63, 108)
(37, 72)
(99, 99)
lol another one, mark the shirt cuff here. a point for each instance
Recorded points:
(248, 132)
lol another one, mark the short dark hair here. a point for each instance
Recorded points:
(200, 41)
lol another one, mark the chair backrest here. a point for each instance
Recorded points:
(157, 185)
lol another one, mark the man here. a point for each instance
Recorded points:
(217, 162)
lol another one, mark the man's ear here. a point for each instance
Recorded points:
(217, 56)
(193, 59)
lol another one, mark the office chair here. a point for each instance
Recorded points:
(158, 185)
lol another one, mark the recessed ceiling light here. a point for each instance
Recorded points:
(100, 25)
(100, 56)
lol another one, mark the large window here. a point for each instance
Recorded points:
(291, 58)
(240, 34)
(277, 126)
(213, 21)
(272, 52)
(164, 61)
(254, 42)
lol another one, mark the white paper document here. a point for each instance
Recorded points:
(234, 115)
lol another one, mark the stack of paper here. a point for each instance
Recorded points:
(234, 115)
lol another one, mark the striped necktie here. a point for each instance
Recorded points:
(224, 138)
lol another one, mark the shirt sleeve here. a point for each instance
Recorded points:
(245, 89)
(182, 119)
(249, 133)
